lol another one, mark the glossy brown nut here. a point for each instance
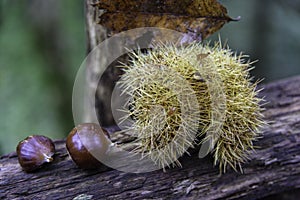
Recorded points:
(94, 139)
(34, 151)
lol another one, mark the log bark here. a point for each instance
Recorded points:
(274, 167)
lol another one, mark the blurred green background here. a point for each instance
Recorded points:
(43, 43)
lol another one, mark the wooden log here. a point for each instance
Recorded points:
(273, 168)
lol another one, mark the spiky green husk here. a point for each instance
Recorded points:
(144, 81)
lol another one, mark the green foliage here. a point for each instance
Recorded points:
(269, 31)
(35, 83)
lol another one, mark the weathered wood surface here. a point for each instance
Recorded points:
(274, 168)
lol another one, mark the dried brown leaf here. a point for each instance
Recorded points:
(199, 18)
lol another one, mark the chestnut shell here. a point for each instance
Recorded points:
(78, 152)
(34, 151)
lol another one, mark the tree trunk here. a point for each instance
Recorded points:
(274, 167)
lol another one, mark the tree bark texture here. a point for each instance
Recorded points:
(274, 167)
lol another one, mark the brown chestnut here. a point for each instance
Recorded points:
(84, 139)
(34, 151)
